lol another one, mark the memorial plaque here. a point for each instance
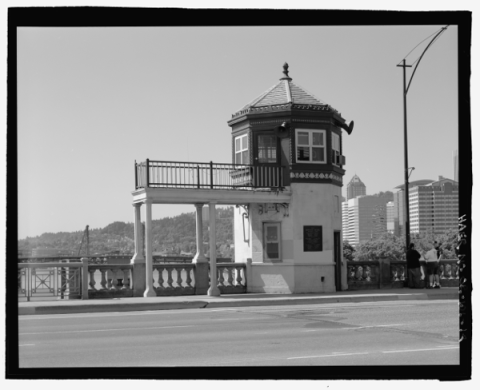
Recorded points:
(312, 239)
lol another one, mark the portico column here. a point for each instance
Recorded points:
(200, 256)
(213, 290)
(149, 291)
(138, 257)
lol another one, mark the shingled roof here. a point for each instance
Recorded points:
(285, 94)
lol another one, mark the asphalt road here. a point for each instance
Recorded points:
(375, 333)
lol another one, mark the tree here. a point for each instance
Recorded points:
(348, 251)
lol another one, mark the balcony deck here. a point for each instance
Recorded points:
(171, 182)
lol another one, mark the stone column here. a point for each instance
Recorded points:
(200, 256)
(138, 259)
(200, 261)
(213, 290)
(149, 291)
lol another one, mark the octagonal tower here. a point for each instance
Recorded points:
(295, 247)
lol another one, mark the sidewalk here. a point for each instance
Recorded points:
(232, 300)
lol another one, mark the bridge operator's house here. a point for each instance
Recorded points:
(285, 179)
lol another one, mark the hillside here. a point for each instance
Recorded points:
(171, 234)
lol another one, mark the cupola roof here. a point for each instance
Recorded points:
(284, 95)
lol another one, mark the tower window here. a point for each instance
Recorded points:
(241, 149)
(267, 149)
(310, 146)
(271, 231)
(335, 149)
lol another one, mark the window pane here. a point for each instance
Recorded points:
(272, 233)
(237, 144)
(238, 158)
(303, 154)
(245, 142)
(272, 251)
(318, 154)
(302, 138)
(317, 138)
(245, 157)
(267, 149)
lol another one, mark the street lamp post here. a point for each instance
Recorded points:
(405, 90)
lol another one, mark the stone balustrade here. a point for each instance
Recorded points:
(174, 279)
(109, 280)
(384, 273)
(232, 278)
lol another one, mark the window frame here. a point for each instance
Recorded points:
(336, 153)
(265, 241)
(310, 145)
(257, 149)
(241, 150)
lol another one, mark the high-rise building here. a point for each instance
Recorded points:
(392, 224)
(433, 206)
(455, 166)
(355, 188)
(364, 218)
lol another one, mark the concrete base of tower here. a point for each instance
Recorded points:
(292, 279)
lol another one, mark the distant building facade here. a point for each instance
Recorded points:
(433, 206)
(364, 218)
(355, 188)
(455, 166)
(392, 223)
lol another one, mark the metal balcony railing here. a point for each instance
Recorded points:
(169, 174)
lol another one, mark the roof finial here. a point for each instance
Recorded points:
(285, 72)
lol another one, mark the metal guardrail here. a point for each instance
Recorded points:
(170, 174)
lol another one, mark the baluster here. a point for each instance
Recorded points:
(220, 271)
(239, 276)
(103, 281)
(160, 277)
(367, 273)
(179, 277)
(394, 273)
(402, 273)
(189, 279)
(230, 276)
(359, 272)
(91, 271)
(351, 272)
(169, 280)
(114, 280)
(125, 278)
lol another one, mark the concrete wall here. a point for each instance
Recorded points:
(298, 271)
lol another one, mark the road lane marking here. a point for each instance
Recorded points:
(420, 350)
(330, 355)
(374, 326)
(109, 330)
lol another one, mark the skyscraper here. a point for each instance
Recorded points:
(355, 188)
(433, 206)
(455, 166)
(364, 218)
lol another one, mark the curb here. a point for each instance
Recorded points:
(149, 306)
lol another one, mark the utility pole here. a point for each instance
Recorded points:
(405, 90)
(405, 143)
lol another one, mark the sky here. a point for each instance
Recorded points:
(92, 101)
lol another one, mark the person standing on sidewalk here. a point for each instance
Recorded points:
(431, 260)
(413, 266)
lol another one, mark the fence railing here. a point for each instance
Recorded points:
(41, 280)
(170, 174)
